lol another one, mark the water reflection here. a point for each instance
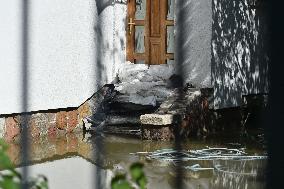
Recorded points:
(68, 161)
(239, 174)
(70, 172)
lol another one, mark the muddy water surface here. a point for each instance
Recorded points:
(77, 161)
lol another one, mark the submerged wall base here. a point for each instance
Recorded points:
(50, 123)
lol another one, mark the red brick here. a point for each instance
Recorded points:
(61, 146)
(52, 133)
(14, 153)
(61, 120)
(72, 142)
(84, 111)
(43, 121)
(33, 129)
(12, 128)
(72, 120)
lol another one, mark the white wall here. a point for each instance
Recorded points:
(193, 40)
(69, 59)
(240, 51)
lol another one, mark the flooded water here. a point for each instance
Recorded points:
(74, 161)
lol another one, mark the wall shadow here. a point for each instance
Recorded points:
(240, 51)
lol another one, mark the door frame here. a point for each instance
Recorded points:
(149, 40)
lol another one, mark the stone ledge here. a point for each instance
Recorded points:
(186, 111)
(156, 119)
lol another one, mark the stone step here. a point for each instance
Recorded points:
(122, 119)
(135, 99)
(157, 119)
(124, 103)
(126, 108)
(173, 108)
(125, 130)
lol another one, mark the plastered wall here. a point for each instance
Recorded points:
(77, 46)
(240, 51)
(71, 46)
(193, 41)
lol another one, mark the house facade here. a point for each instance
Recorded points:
(75, 47)
(71, 53)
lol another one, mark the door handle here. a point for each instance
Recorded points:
(130, 24)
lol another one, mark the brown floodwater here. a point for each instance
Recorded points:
(88, 161)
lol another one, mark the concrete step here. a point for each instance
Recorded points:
(157, 119)
(123, 130)
(123, 104)
(122, 120)
(176, 105)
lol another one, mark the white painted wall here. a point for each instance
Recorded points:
(240, 52)
(71, 49)
(193, 41)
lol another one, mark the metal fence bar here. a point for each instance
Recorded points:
(274, 122)
(24, 121)
(98, 146)
(179, 58)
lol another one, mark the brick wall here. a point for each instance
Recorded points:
(51, 123)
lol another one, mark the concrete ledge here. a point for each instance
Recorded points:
(156, 119)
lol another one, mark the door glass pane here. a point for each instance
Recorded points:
(139, 39)
(170, 39)
(139, 61)
(171, 8)
(140, 10)
(170, 62)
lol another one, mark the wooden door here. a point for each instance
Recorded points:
(150, 31)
